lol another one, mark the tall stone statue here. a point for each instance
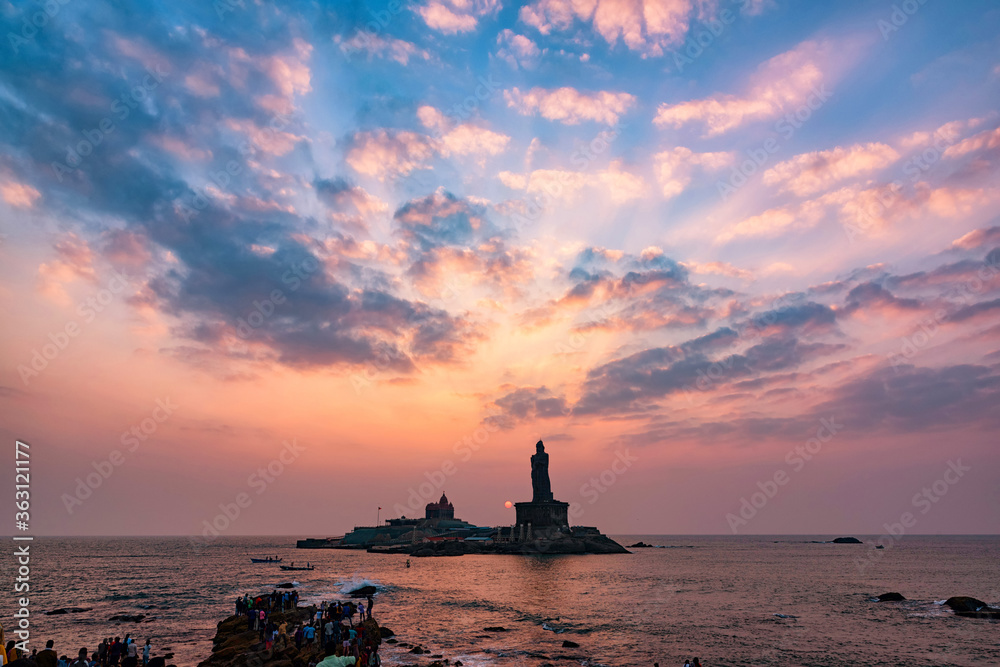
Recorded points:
(541, 488)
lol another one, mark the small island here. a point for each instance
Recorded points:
(541, 527)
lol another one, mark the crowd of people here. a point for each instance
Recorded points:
(111, 652)
(333, 628)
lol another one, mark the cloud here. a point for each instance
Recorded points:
(16, 193)
(783, 83)
(673, 167)
(568, 105)
(389, 153)
(526, 404)
(620, 185)
(350, 205)
(455, 16)
(74, 261)
(381, 46)
(517, 50)
(978, 238)
(809, 173)
(986, 140)
(646, 26)
(718, 268)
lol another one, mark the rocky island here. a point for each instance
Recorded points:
(541, 527)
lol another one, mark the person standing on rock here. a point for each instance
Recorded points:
(146, 648)
(371, 603)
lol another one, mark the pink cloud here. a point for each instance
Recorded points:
(379, 46)
(988, 139)
(74, 261)
(16, 193)
(518, 50)
(568, 105)
(783, 83)
(814, 172)
(180, 148)
(267, 139)
(673, 167)
(645, 26)
(454, 16)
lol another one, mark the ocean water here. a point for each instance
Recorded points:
(728, 600)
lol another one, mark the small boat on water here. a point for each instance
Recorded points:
(307, 566)
(265, 560)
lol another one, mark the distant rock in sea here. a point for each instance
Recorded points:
(364, 591)
(847, 540)
(287, 584)
(67, 610)
(640, 545)
(971, 607)
(568, 644)
(495, 628)
(128, 618)
(891, 597)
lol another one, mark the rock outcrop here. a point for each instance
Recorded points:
(847, 540)
(891, 597)
(969, 607)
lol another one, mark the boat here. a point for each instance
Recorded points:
(265, 560)
(297, 567)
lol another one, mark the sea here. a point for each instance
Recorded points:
(728, 600)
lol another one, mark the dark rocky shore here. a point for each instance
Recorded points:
(235, 646)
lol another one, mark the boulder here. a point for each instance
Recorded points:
(639, 545)
(495, 628)
(128, 618)
(972, 608)
(67, 610)
(847, 540)
(386, 632)
(890, 597)
(287, 584)
(963, 603)
(568, 644)
(158, 661)
(362, 592)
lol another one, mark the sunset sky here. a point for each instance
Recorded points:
(412, 239)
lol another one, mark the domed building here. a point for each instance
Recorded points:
(442, 509)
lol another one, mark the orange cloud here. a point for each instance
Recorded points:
(568, 105)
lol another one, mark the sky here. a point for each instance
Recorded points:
(266, 268)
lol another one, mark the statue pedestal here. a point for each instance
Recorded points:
(552, 513)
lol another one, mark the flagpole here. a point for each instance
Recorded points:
(378, 516)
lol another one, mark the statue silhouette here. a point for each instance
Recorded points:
(541, 488)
